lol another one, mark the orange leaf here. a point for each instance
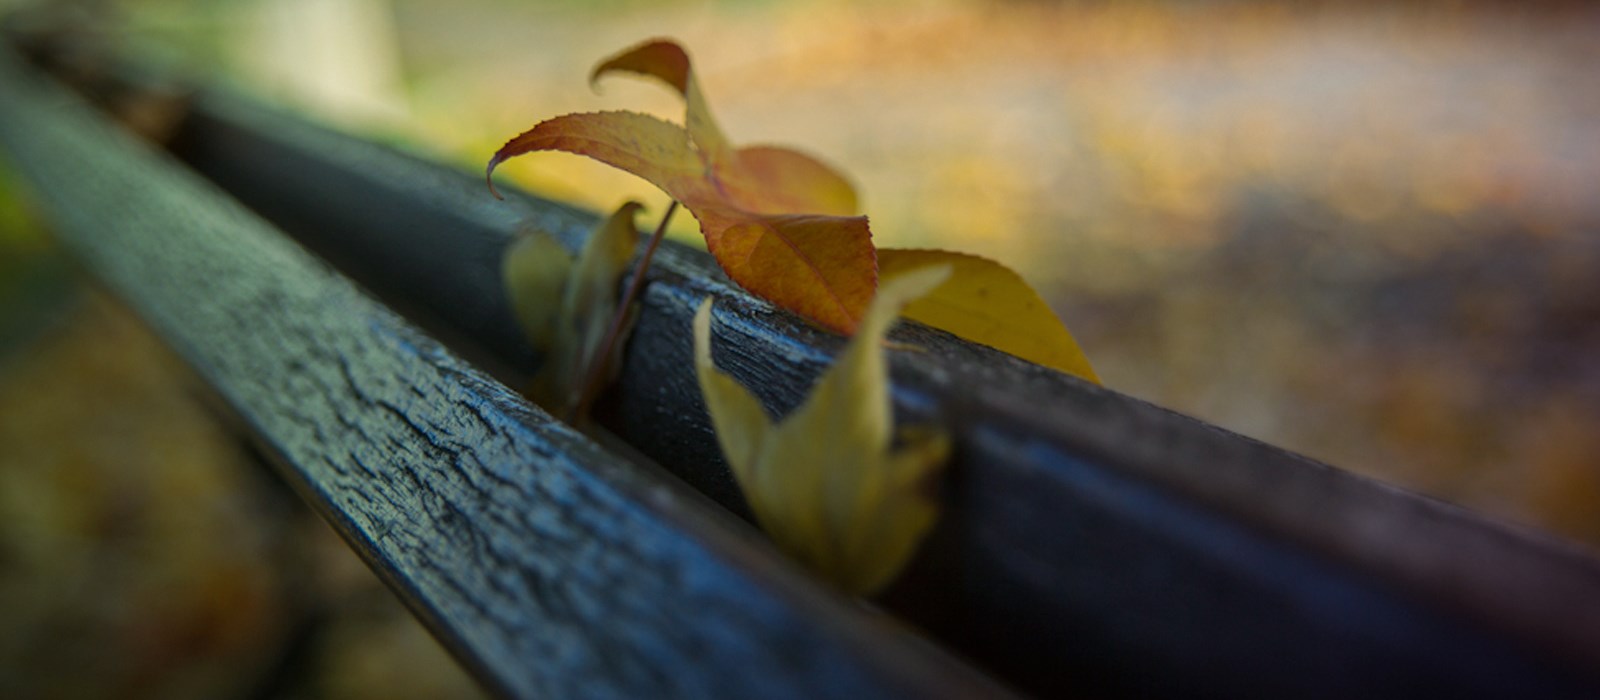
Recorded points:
(667, 61)
(986, 302)
(655, 150)
(822, 267)
(762, 179)
(776, 180)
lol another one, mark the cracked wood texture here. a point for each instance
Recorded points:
(550, 566)
(1092, 543)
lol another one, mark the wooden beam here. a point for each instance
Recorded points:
(551, 567)
(1092, 542)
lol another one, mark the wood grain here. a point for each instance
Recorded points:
(1092, 543)
(552, 567)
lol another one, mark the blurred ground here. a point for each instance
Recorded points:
(1368, 232)
(144, 554)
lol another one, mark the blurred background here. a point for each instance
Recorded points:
(1364, 231)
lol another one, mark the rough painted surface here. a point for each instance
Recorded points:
(1093, 542)
(549, 565)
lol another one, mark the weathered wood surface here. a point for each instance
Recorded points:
(550, 566)
(1093, 542)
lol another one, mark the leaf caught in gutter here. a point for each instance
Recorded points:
(824, 482)
(986, 302)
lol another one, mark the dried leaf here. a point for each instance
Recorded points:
(760, 179)
(824, 481)
(775, 220)
(986, 302)
(538, 270)
(666, 60)
(821, 267)
(535, 269)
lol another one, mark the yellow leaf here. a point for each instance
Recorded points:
(824, 481)
(534, 270)
(538, 270)
(985, 302)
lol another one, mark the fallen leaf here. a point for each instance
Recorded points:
(756, 211)
(776, 221)
(988, 303)
(666, 60)
(761, 179)
(824, 482)
(539, 271)
(534, 270)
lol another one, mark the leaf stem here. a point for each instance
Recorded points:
(596, 371)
